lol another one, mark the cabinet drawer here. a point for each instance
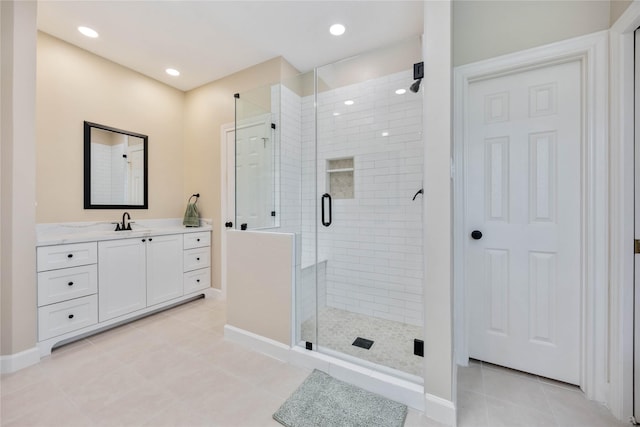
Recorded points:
(63, 256)
(67, 283)
(197, 240)
(197, 280)
(197, 258)
(67, 316)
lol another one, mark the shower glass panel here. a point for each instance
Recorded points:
(298, 163)
(256, 160)
(368, 166)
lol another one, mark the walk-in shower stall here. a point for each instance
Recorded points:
(336, 156)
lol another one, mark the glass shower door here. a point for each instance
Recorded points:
(368, 176)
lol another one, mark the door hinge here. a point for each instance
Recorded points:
(636, 246)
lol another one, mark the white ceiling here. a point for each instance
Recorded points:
(207, 40)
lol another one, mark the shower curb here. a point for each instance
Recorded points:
(400, 390)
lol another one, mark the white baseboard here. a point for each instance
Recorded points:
(14, 362)
(441, 410)
(213, 293)
(264, 345)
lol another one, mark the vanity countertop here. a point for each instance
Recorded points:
(77, 232)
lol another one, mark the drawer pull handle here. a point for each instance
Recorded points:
(71, 316)
(144, 240)
(198, 280)
(150, 239)
(197, 259)
(70, 256)
(70, 283)
(197, 240)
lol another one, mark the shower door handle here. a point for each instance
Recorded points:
(324, 222)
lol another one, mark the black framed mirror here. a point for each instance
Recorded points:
(115, 168)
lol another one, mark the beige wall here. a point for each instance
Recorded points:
(617, 8)
(484, 29)
(207, 108)
(394, 58)
(17, 170)
(75, 85)
(260, 266)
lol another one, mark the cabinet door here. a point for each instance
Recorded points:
(164, 268)
(121, 277)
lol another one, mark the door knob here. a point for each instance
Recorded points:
(228, 224)
(476, 234)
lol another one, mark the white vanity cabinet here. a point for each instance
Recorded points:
(138, 273)
(164, 268)
(197, 261)
(67, 286)
(122, 277)
(89, 286)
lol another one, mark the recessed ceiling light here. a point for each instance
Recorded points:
(385, 133)
(172, 72)
(401, 91)
(89, 32)
(336, 114)
(337, 29)
(348, 102)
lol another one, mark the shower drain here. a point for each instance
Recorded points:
(363, 343)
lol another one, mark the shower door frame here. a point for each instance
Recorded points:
(317, 345)
(225, 204)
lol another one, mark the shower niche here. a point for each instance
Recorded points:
(340, 178)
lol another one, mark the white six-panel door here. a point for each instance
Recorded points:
(523, 193)
(253, 176)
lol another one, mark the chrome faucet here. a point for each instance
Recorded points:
(124, 226)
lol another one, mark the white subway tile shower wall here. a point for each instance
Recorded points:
(374, 246)
(289, 123)
(290, 159)
(309, 195)
(306, 307)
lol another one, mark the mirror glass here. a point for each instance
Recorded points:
(115, 168)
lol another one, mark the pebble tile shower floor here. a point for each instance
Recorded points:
(393, 341)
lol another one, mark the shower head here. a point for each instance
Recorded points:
(415, 87)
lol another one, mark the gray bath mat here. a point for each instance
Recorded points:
(322, 400)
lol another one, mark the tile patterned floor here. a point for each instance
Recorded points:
(492, 396)
(175, 369)
(393, 341)
(170, 369)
